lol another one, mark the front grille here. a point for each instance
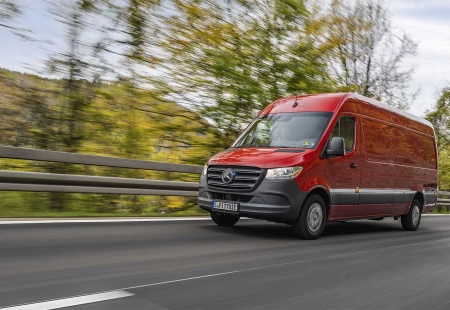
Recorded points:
(231, 197)
(245, 178)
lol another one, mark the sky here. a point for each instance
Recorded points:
(19, 55)
(427, 22)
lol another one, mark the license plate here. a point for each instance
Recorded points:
(225, 206)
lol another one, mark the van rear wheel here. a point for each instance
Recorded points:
(312, 218)
(224, 219)
(411, 220)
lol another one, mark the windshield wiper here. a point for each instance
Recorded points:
(268, 146)
(282, 147)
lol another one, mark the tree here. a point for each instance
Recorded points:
(65, 130)
(126, 117)
(440, 118)
(444, 169)
(365, 54)
(229, 59)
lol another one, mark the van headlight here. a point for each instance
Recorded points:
(283, 173)
(205, 169)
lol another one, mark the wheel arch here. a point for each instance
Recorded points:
(322, 192)
(421, 197)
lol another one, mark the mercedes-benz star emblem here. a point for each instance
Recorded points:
(227, 176)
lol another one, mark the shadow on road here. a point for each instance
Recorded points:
(361, 227)
(263, 230)
(281, 231)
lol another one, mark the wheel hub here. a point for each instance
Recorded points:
(415, 215)
(315, 217)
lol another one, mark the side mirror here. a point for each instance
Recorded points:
(336, 147)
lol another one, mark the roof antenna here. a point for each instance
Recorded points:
(295, 103)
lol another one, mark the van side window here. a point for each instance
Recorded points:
(345, 128)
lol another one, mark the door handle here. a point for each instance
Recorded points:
(353, 165)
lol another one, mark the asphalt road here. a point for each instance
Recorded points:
(254, 265)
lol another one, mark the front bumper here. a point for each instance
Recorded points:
(273, 200)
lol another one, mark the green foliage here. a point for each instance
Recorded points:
(444, 169)
(34, 116)
(439, 116)
(233, 58)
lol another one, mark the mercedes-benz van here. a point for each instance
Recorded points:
(310, 159)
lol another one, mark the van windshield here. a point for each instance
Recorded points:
(285, 130)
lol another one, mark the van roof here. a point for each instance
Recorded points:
(331, 103)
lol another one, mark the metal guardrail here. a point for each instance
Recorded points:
(68, 183)
(443, 202)
(71, 158)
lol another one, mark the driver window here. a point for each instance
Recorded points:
(345, 128)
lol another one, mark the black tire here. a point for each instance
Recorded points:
(224, 219)
(411, 220)
(318, 217)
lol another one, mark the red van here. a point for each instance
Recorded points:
(329, 157)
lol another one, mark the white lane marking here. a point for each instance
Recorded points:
(432, 214)
(165, 219)
(214, 275)
(72, 301)
(122, 220)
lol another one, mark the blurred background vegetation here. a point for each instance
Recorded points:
(177, 80)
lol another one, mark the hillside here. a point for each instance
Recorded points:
(100, 119)
(118, 122)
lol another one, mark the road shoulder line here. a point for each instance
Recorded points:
(120, 220)
(73, 301)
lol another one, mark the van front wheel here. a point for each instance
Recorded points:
(224, 219)
(312, 218)
(411, 220)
